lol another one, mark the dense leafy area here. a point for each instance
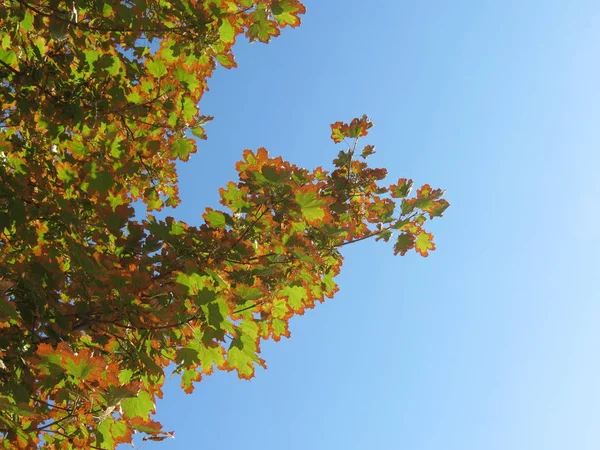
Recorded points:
(99, 100)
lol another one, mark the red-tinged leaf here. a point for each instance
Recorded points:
(279, 328)
(262, 28)
(424, 243)
(79, 369)
(111, 432)
(287, 12)
(242, 362)
(368, 150)
(211, 356)
(337, 132)
(407, 206)
(279, 309)
(404, 243)
(182, 148)
(359, 127)
(161, 437)
(295, 296)
(146, 426)
(385, 235)
(402, 188)
(188, 378)
(424, 192)
(438, 208)
(234, 198)
(66, 173)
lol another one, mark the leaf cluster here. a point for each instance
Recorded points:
(99, 100)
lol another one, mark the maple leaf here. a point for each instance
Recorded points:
(337, 132)
(402, 188)
(313, 208)
(140, 406)
(286, 12)
(424, 243)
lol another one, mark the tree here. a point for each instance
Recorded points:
(98, 102)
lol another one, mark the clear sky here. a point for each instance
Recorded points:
(493, 341)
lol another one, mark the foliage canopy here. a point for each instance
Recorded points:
(99, 100)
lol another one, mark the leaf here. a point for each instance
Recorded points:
(337, 133)
(187, 380)
(157, 68)
(217, 219)
(27, 22)
(241, 359)
(211, 356)
(79, 370)
(199, 132)
(140, 406)
(424, 243)
(404, 243)
(261, 28)
(182, 148)
(312, 207)
(368, 150)
(402, 188)
(279, 309)
(227, 31)
(286, 12)
(295, 295)
(249, 293)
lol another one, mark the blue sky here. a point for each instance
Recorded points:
(492, 341)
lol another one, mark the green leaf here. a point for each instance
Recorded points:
(209, 356)
(385, 235)
(273, 175)
(27, 22)
(187, 357)
(199, 132)
(262, 28)
(125, 376)
(156, 68)
(186, 78)
(249, 293)
(111, 432)
(312, 207)
(217, 219)
(187, 379)
(279, 309)
(205, 296)
(189, 109)
(424, 243)
(8, 56)
(182, 148)
(79, 370)
(110, 63)
(194, 281)
(295, 294)
(286, 12)
(404, 243)
(234, 198)
(227, 31)
(241, 358)
(280, 328)
(139, 406)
